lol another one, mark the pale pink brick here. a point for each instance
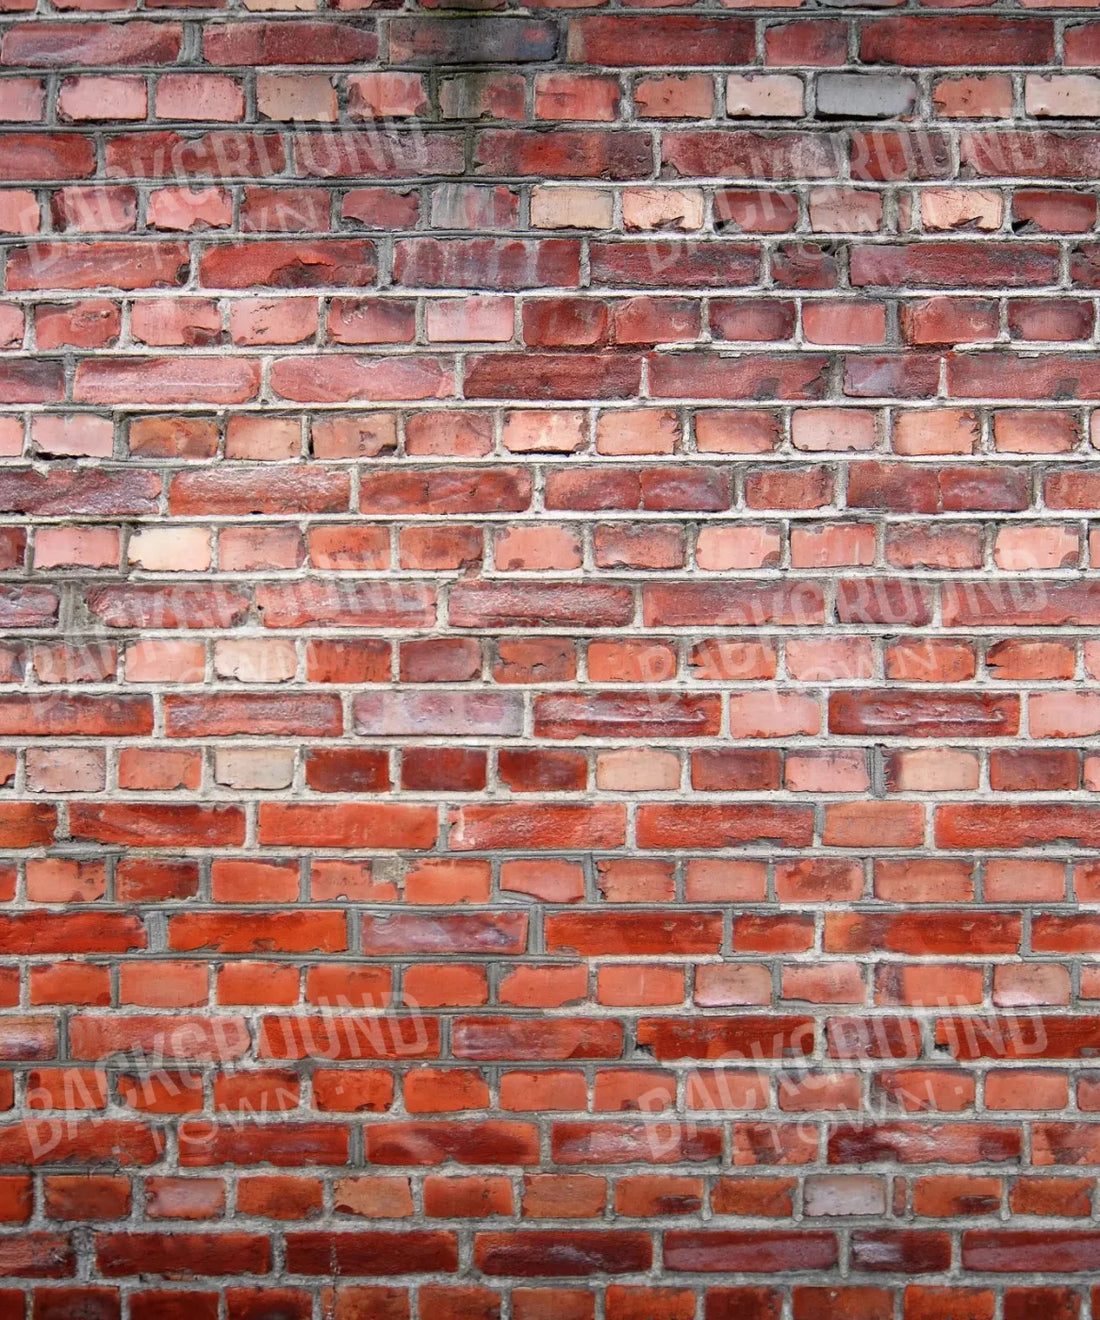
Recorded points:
(80, 547)
(83, 98)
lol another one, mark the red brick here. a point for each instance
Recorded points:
(506, 566)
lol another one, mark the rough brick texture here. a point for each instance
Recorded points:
(549, 710)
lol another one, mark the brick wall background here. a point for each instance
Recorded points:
(549, 694)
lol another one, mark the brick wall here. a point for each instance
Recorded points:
(551, 663)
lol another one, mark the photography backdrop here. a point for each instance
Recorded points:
(550, 695)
